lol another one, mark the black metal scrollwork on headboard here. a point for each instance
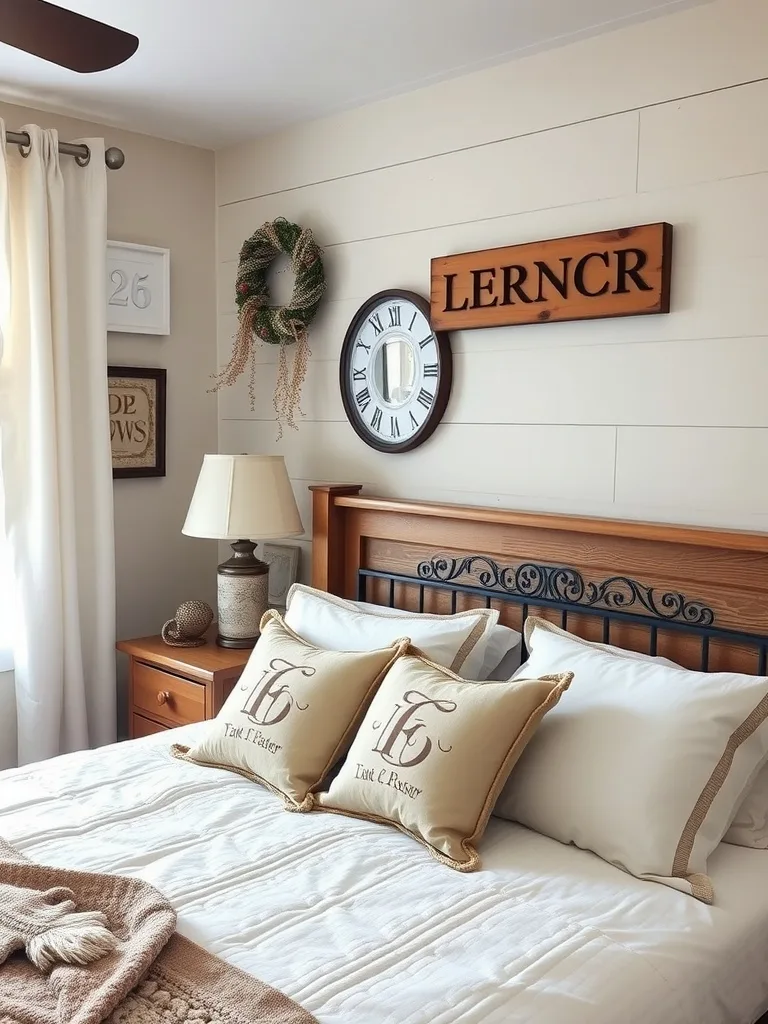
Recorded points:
(563, 584)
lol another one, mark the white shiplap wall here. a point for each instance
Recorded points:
(662, 418)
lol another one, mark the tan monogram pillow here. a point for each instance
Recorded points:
(292, 713)
(434, 751)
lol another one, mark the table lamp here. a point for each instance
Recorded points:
(238, 497)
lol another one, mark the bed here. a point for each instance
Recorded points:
(353, 920)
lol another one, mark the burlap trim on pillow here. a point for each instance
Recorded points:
(701, 884)
(469, 645)
(181, 753)
(561, 683)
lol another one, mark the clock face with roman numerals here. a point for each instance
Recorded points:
(395, 372)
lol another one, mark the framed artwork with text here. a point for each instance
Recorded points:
(137, 420)
(138, 288)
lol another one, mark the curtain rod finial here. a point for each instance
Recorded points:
(114, 158)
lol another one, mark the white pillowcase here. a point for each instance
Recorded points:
(641, 762)
(750, 825)
(502, 655)
(458, 642)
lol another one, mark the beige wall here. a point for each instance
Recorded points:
(660, 418)
(164, 195)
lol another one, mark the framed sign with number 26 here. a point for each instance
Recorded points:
(138, 288)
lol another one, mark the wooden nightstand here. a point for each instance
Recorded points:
(170, 686)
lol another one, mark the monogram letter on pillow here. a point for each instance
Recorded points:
(433, 751)
(292, 713)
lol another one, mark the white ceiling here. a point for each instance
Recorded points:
(214, 72)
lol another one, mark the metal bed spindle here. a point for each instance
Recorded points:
(563, 590)
(705, 654)
(653, 641)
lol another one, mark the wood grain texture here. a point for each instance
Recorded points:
(166, 696)
(740, 540)
(169, 686)
(141, 726)
(724, 569)
(622, 272)
(328, 534)
(204, 663)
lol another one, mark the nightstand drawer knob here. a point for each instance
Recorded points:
(163, 696)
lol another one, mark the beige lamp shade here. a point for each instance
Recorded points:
(243, 497)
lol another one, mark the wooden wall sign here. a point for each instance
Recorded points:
(625, 272)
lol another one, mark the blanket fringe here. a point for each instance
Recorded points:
(78, 938)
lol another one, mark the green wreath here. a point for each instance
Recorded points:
(276, 325)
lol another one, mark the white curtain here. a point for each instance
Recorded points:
(54, 444)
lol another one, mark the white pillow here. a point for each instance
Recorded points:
(750, 825)
(621, 652)
(642, 763)
(458, 642)
(502, 655)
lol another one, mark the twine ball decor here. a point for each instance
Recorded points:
(187, 626)
(276, 325)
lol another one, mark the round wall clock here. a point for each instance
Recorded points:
(395, 371)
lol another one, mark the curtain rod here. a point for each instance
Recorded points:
(114, 158)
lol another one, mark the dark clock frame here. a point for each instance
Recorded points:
(445, 378)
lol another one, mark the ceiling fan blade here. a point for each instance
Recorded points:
(63, 37)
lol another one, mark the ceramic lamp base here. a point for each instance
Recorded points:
(243, 589)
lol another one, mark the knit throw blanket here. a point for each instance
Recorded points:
(80, 948)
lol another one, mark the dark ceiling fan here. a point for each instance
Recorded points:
(63, 37)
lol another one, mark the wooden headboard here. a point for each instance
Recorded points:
(697, 596)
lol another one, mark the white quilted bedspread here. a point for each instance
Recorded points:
(361, 926)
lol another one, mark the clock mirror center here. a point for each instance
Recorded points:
(394, 370)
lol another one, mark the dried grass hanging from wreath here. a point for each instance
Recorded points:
(276, 325)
